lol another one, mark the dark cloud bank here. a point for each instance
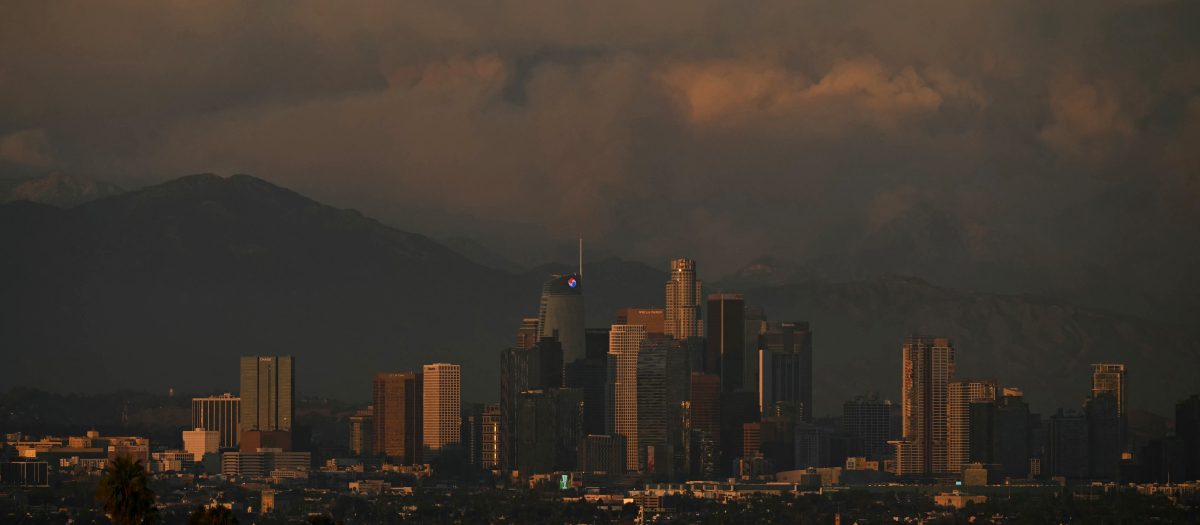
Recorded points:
(1025, 146)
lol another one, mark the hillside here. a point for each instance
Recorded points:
(166, 286)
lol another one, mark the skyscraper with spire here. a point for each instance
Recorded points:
(561, 315)
(683, 301)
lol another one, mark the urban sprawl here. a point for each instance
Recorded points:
(663, 416)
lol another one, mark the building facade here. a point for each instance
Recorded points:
(489, 447)
(725, 352)
(654, 319)
(624, 346)
(928, 367)
(199, 442)
(442, 411)
(561, 315)
(398, 401)
(961, 394)
(785, 365)
(362, 432)
(683, 301)
(522, 370)
(869, 418)
(1068, 446)
(221, 414)
(268, 397)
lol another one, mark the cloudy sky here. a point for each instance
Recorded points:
(718, 130)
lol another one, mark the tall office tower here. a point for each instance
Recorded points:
(221, 414)
(362, 432)
(471, 433)
(490, 437)
(268, 393)
(527, 336)
(679, 391)
(1187, 429)
(755, 321)
(654, 416)
(927, 370)
(702, 455)
(777, 441)
(548, 430)
(537, 368)
(683, 301)
(654, 319)
(624, 346)
(596, 342)
(590, 376)
(725, 355)
(1109, 379)
(561, 314)
(785, 365)
(999, 433)
(868, 418)
(398, 401)
(1103, 437)
(1068, 447)
(442, 411)
(961, 394)
(737, 408)
(751, 439)
(705, 408)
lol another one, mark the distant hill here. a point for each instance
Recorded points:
(55, 189)
(481, 255)
(166, 286)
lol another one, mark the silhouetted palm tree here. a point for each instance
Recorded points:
(217, 515)
(125, 493)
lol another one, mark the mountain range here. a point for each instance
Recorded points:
(166, 286)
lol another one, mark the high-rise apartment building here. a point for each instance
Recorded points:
(725, 352)
(683, 301)
(1109, 380)
(221, 414)
(527, 335)
(561, 315)
(471, 433)
(490, 437)
(654, 319)
(442, 409)
(926, 372)
(624, 345)
(268, 401)
(784, 365)
(961, 394)
(399, 419)
(362, 432)
(868, 418)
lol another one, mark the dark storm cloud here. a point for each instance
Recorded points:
(715, 129)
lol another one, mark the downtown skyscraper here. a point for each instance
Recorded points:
(220, 414)
(683, 301)
(928, 367)
(398, 410)
(561, 315)
(624, 345)
(961, 394)
(725, 347)
(268, 397)
(442, 409)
